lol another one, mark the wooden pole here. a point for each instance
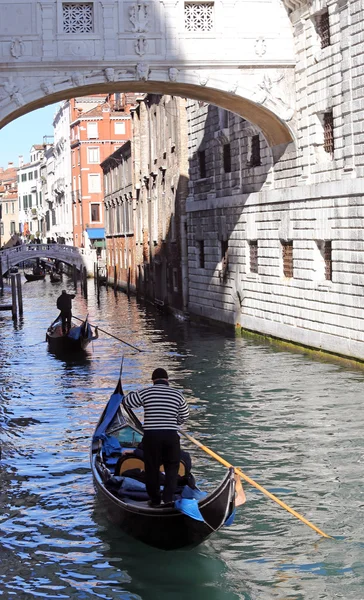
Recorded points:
(115, 278)
(128, 283)
(13, 298)
(20, 295)
(84, 275)
(1, 277)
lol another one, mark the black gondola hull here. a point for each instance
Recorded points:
(167, 528)
(31, 277)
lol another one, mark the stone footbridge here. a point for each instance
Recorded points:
(11, 257)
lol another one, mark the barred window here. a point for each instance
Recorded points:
(199, 16)
(201, 254)
(329, 133)
(202, 163)
(253, 256)
(323, 28)
(78, 17)
(255, 159)
(327, 252)
(287, 251)
(226, 153)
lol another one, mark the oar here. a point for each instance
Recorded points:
(111, 335)
(255, 484)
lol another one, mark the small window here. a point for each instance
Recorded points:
(255, 159)
(287, 255)
(226, 153)
(201, 254)
(30, 175)
(24, 177)
(328, 260)
(253, 256)
(199, 16)
(35, 174)
(92, 131)
(202, 163)
(323, 28)
(328, 122)
(175, 280)
(95, 213)
(93, 156)
(77, 17)
(12, 227)
(94, 183)
(120, 128)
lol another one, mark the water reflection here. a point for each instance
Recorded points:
(292, 423)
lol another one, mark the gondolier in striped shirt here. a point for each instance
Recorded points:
(165, 409)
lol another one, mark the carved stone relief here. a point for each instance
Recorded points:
(109, 74)
(260, 46)
(17, 48)
(173, 74)
(139, 17)
(203, 77)
(141, 46)
(47, 87)
(12, 91)
(269, 91)
(78, 79)
(142, 71)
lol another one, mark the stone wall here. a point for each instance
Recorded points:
(311, 196)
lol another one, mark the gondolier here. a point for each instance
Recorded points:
(64, 304)
(165, 409)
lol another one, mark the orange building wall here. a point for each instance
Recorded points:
(107, 141)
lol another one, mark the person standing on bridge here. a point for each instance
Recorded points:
(64, 304)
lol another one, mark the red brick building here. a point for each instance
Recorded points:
(99, 125)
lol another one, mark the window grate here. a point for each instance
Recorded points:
(201, 254)
(253, 256)
(226, 153)
(199, 16)
(287, 250)
(323, 29)
(78, 17)
(329, 132)
(202, 163)
(255, 159)
(328, 260)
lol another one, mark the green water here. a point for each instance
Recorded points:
(291, 422)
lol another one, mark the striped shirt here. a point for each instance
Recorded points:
(164, 407)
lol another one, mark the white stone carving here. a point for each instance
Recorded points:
(12, 91)
(142, 71)
(47, 87)
(199, 16)
(17, 48)
(268, 91)
(203, 77)
(141, 46)
(260, 46)
(109, 74)
(234, 86)
(78, 79)
(173, 74)
(139, 17)
(78, 17)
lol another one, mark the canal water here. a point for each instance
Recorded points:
(292, 422)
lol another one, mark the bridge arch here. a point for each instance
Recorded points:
(11, 257)
(239, 57)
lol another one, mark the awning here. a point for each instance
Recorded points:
(97, 233)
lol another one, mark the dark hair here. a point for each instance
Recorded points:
(159, 374)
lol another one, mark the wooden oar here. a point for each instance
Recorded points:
(255, 484)
(111, 335)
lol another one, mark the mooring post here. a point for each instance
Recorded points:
(84, 277)
(13, 298)
(20, 294)
(115, 278)
(75, 276)
(1, 277)
(128, 283)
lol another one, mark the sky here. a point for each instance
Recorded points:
(18, 137)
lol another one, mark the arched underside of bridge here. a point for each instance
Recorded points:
(196, 86)
(13, 257)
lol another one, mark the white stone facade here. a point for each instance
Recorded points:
(61, 188)
(310, 198)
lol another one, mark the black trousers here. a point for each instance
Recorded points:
(66, 316)
(161, 447)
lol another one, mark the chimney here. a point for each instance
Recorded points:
(10, 165)
(21, 161)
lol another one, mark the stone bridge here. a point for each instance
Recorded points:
(70, 255)
(237, 54)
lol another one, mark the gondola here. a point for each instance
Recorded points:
(55, 277)
(76, 340)
(33, 277)
(187, 522)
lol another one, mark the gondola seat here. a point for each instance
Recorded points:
(127, 463)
